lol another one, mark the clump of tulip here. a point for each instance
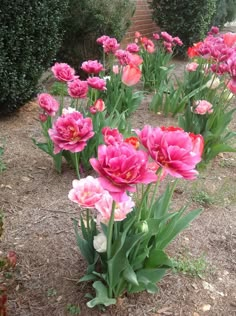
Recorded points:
(128, 224)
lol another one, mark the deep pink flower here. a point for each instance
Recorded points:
(71, 132)
(120, 167)
(172, 149)
(92, 67)
(192, 66)
(63, 72)
(110, 45)
(48, 103)
(132, 48)
(43, 117)
(167, 37)
(168, 47)
(214, 30)
(104, 207)
(97, 83)
(131, 75)
(86, 192)
(112, 136)
(202, 107)
(102, 39)
(78, 88)
(123, 56)
(177, 41)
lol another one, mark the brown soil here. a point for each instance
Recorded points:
(38, 226)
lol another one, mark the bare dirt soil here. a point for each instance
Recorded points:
(38, 226)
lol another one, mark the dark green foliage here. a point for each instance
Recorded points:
(86, 20)
(30, 36)
(190, 20)
(225, 12)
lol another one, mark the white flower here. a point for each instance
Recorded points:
(213, 83)
(68, 110)
(107, 78)
(100, 243)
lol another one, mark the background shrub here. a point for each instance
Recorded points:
(86, 20)
(30, 36)
(190, 20)
(225, 12)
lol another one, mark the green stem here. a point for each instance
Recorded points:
(77, 164)
(144, 196)
(109, 245)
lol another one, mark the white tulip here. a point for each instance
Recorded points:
(213, 83)
(100, 243)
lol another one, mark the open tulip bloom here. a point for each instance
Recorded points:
(127, 224)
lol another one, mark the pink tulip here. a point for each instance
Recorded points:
(232, 85)
(167, 37)
(156, 36)
(148, 45)
(202, 107)
(78, 89)
(86, 192)
(120, 167)
(48, 103)
(110, 45)
(172, 149)
(131, 75)
(136, 60)
(102, 39)
(137, 34)
(115, 69)
(104, 207)
(192, 66)
(43, 117)
(63, 72)
(198, 143)
(230, 39)
(99, 105)
(123, 56)
(132, 48)
(111, 136)
(96, 83)
(92, 67)
(177, 41)
(71, 132)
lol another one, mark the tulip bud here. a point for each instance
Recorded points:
(100, 243)
(143, 227)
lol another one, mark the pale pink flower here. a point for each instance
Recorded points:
(110, 45)
(63, 72)
(97, 83)
(192, 66)
(86, 192)
(120, 167)
(172, 149)
(100, 243)
(68, 110)
(202, 107)
(137, 34)
(92, 67)
(78, 88)
(131, 75)
(230, 39)
(168, 47)
(132, 48)
(112, 136)
(71, 132)
(148, 45)
(99, 106)
(198, 143)
(104, 207)
(115, 69)
(232, 85)
(48, 103)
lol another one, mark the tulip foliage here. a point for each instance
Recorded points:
(124, 241)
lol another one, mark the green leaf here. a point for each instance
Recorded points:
(101, 296)
(219, 148)
(146, 276)
(157, 258)
(88, 277)
(43, 146)
(130, 276)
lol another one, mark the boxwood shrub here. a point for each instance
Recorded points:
(30, 35)
(190, 20)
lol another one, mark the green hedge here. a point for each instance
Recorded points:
(30, 36)
(225, 12)
(87, 20)
(190, 20)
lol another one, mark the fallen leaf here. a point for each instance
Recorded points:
(25, 179)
